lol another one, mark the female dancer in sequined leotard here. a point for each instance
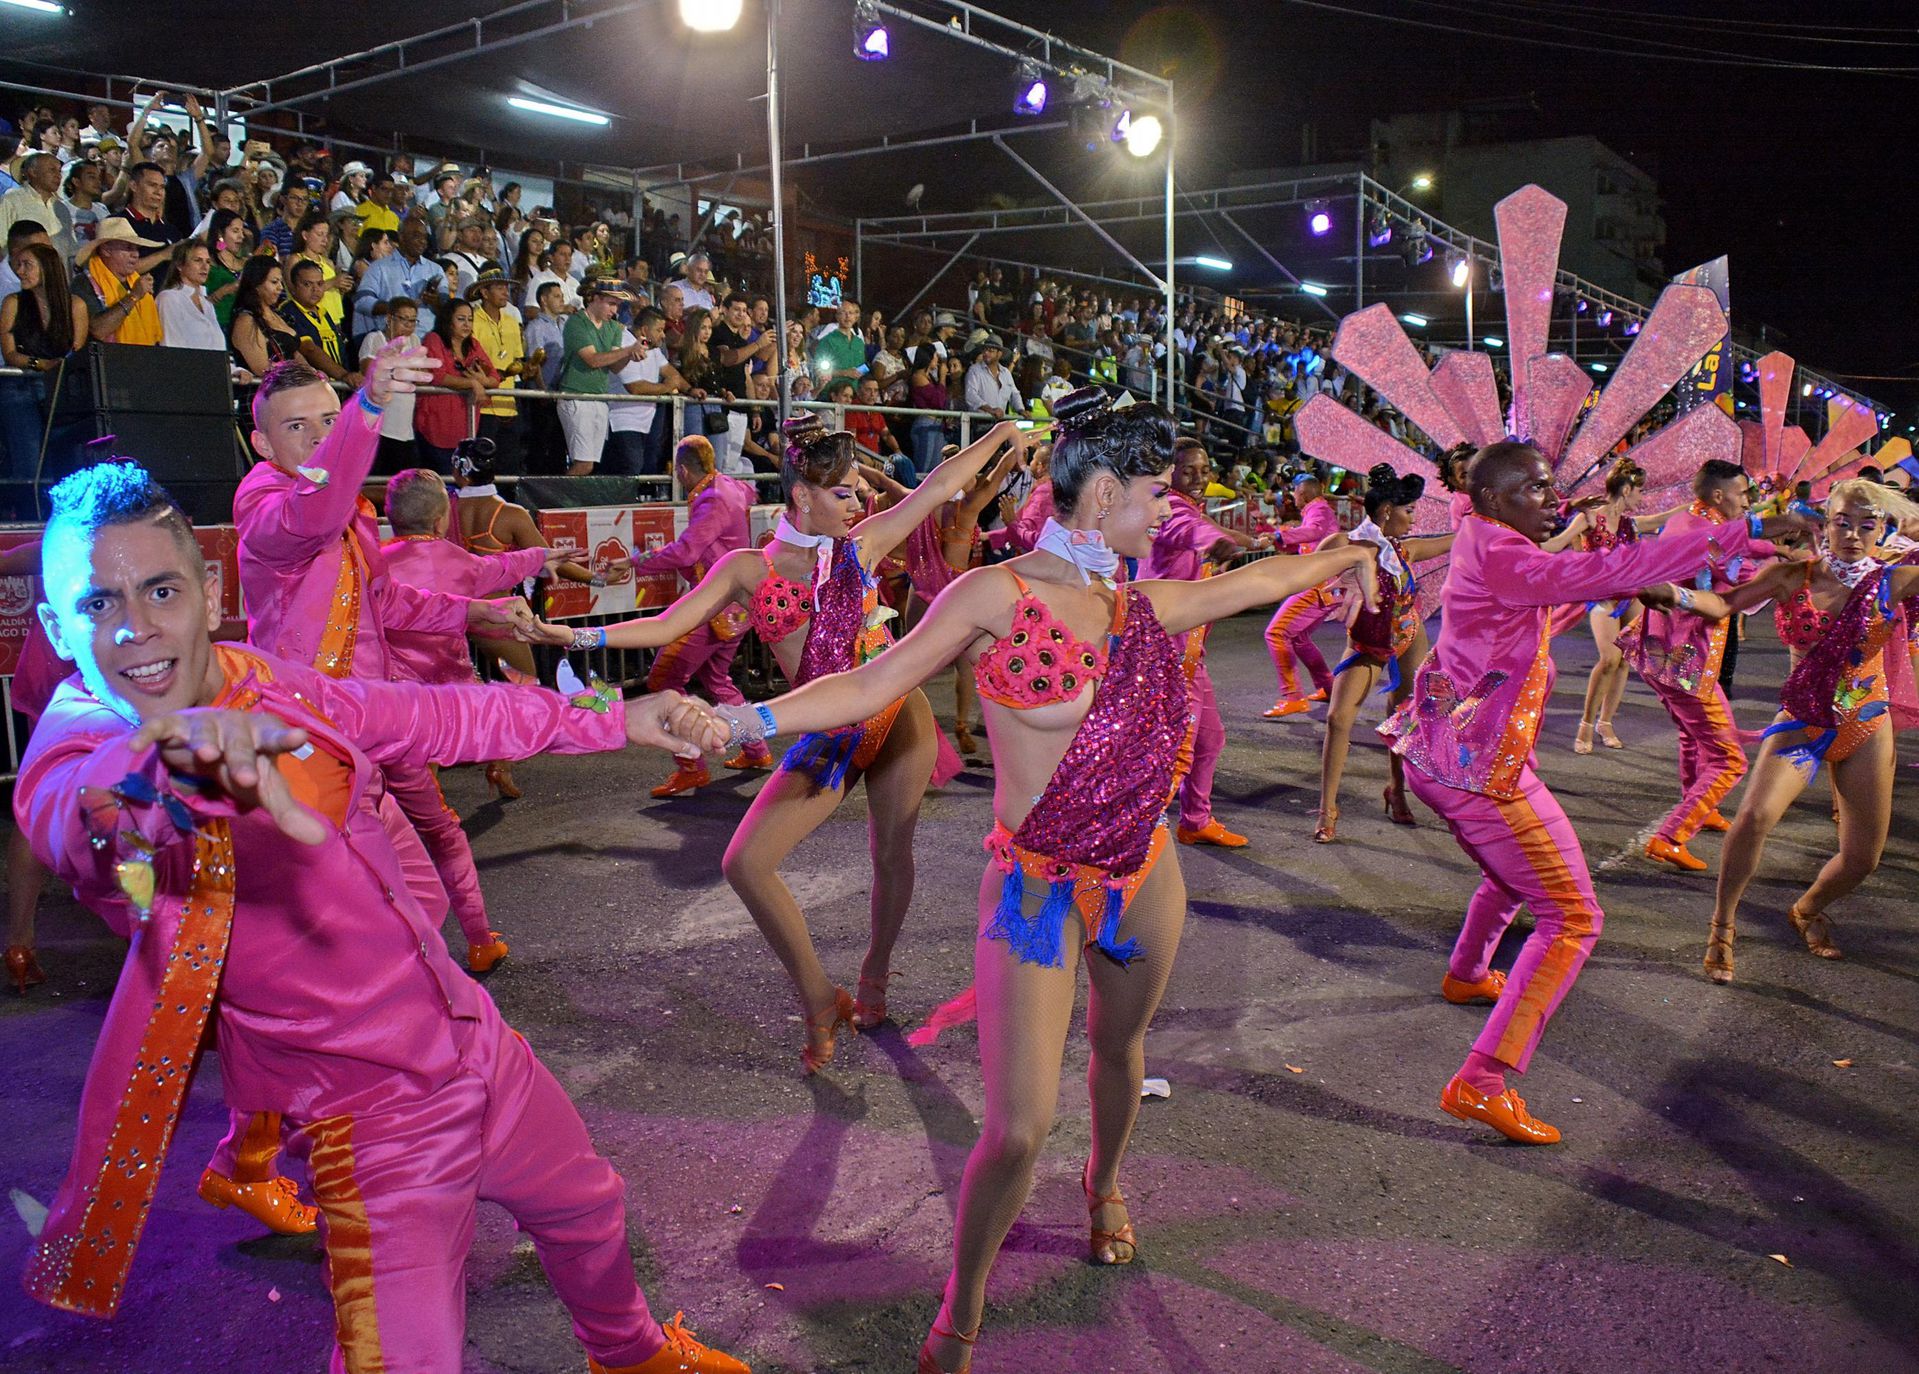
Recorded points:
(813, 600)
(1087, 708)
(1846, 620)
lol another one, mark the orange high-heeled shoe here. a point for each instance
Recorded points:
(868, 1015)
(1327, 831)
(1396, 809)
(499, 777)
(1718, 961)
(1815, 930)
(1102, 1243)
(944, 1332)
(816, 1056)
(23, 968)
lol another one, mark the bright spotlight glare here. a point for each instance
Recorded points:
(1217, 264)
(1143, 134)
(1423, 182)
(1599, 367)
(1312, 288)
(1416, 321)
(1493, 341)
(1806, 390)
(1461, 271)
(542, 107)
(1320, 223)
(710, 16)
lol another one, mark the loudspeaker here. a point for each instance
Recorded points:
(168, 409)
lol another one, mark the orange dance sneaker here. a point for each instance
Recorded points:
(1280, 710)
(1506, 1113)
(275, 1204)
(1663, 851)
(680, 1355)
(1461, 993)
(1211, 833)
(686, 778)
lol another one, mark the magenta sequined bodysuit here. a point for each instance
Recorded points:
(848, 629)
(1094, 832)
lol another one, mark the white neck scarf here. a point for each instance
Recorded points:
(1852, 574)
(822, 546)
(1370, 533)
(484, 489)
(1085, 549)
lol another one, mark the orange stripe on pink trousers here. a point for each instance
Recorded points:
(1561, 961)
(349, 1245)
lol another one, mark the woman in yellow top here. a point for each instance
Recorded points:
(314, 243)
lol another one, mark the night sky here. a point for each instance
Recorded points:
(1804, 177)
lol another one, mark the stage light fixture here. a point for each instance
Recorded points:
(1031, 94)
(1416, 321)
(1459, 270)
(1379, 231)
(1605, 319)
(1599, 367)
(1312, 288)
(1805, 389)
(1319, 218)
(1493, 341)
(710, 16)
(1583, 305)
(1632, 328)
(542, 107)
(1140, 133)
(1217, 264)
(871, 41)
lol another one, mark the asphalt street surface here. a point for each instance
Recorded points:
(1737, 1188)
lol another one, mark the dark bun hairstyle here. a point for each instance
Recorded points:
(1385, 487)
(1625, 473)
(815, 455)
(1090, 436)
(473, 460)
(1452, 466)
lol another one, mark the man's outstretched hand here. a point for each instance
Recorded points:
(680, 725)
(232, 752)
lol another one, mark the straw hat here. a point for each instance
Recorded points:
(114, 230)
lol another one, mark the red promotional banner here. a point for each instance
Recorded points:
(602, 534)
(20, 595)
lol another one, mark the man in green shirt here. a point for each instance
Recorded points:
(840, 352)
(593, 354)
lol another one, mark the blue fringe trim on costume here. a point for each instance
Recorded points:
(1813, 751)
(1107, 941)
(825, 757)
(1040, 938)
(1033, 939)
(1391, 684)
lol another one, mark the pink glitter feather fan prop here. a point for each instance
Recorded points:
(1775, 386)
(1464, 383)
(1556, 389)
(1889, 456)
(1684, 323)
(1373, 346)
(1848, 426)
(1673, 454)
(1333, 434)
(1530, 223)
(1794, 444)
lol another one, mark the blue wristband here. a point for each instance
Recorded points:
(767, 723)
(366, 404)
(1754, 524)
(602, 643)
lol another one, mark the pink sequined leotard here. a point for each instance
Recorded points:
(1096, 830)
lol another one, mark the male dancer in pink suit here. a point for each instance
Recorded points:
(218, 806)
(717, 522)
(1467, 737)
(1678, 654)
(1184, 544)
(1289, 636)
(317, 589)
(420, 555)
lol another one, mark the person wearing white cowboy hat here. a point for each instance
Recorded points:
(351, 192)
(118, 293)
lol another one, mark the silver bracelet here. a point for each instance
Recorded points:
(588, 638)
(1684, 598)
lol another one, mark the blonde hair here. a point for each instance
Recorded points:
(1858, 491)
(695, 450)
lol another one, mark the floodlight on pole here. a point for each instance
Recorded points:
(1140, 133)
(1029, 97)
(543, 107)
(710, 16)
(1459, 269)
(871, 41)
(1423, 182)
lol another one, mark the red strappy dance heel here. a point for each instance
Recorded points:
(824, 1029)
(941, 1331)
(23, 968)
(867, 1015)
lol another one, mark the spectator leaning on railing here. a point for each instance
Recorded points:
(636, 438)
(592, 351)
